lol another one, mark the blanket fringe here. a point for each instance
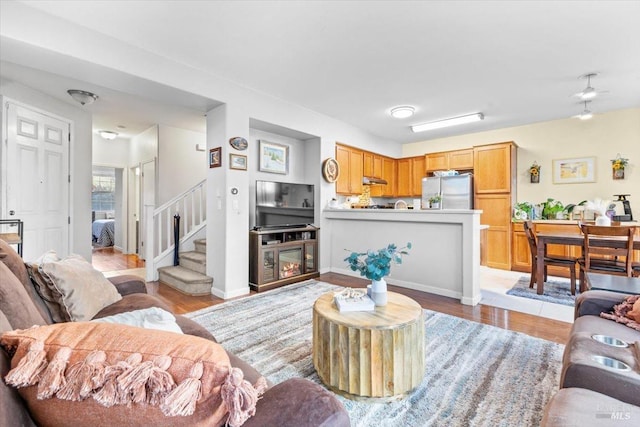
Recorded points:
(240, 396)
(28, 370)
(84, 377)
(181, 401)
(53, 378)
(160, 382)
(110, 394)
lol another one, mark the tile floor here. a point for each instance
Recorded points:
(495, 283)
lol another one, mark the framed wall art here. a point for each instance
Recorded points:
(574, 171)
(238, 161)
(274, 158)
(215, 157)
(330, 170)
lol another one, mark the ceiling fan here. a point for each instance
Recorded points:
(589, 92)
(586, 114)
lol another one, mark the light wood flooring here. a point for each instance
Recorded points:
(548, 329)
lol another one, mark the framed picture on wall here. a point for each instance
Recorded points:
(238, 161)
(274, 158)
(574, 171)
(215, 157)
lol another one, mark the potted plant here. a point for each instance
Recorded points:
(552, 209)
(617, 165)
(434, 202)
(376, 265)
(534, 172)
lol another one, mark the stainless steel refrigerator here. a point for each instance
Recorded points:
(456, 191)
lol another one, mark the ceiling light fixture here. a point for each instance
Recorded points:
(108, 135)
(589, 92)
(586, 114)
(82, 96)
(402, 112)
(454, 121)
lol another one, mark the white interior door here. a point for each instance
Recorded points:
(37, 179)
(147, 198)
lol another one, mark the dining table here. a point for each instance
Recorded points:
(544, 239)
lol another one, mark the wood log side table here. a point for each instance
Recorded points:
(369, 354)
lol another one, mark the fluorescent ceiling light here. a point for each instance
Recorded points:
(402, 112)
(454, 121)
(107, 134)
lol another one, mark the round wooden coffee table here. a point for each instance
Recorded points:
(369, 354)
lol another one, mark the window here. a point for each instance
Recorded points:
(103, 189)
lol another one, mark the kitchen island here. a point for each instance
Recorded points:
(445, 254)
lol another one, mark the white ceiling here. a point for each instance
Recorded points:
(517, 62)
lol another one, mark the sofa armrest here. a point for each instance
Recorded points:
(301, 403)
(595, 302)
(129, 284)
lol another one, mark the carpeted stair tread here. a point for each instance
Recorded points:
(186, 280)
(201, 245)
(194, 260)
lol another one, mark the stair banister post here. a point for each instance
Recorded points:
(149, 243)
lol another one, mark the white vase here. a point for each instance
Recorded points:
(379, 292)
(603, 220)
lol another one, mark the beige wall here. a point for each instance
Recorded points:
(602, 137)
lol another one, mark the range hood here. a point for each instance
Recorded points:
(373, 181)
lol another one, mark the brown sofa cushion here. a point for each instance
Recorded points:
(15, 263)
(586, 408)
(118, 343)
(79, 290)
(13, 411)
(15, 302)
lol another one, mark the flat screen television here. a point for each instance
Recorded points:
(281, 204)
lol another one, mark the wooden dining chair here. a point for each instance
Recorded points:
(600, 258)
(558, 261)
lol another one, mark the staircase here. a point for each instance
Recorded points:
(189, 276)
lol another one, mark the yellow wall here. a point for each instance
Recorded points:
(602, 137)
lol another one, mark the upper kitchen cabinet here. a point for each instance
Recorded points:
(351, 170)
(411, 170)
(458, 160)
(494, 168)
(388, 174)
(461, 159)
(372, 165)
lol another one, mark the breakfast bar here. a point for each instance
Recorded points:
(445, 254)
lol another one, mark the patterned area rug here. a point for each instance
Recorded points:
(555, 291)
(476, 375)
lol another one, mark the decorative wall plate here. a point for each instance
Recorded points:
(330, 169)
(238, 143)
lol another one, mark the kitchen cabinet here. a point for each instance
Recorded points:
(437, 161)
(461, 159)
(389, 175)
(496, 213)
(372, 164)
(418, 171)
(351, 162)
(494, 168)
(411, 170)
(457, 160)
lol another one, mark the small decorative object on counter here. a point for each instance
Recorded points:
(376, 265)
(523, 210)
(617, 165)
(600, 207)
(534, 172)
(434, 202)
